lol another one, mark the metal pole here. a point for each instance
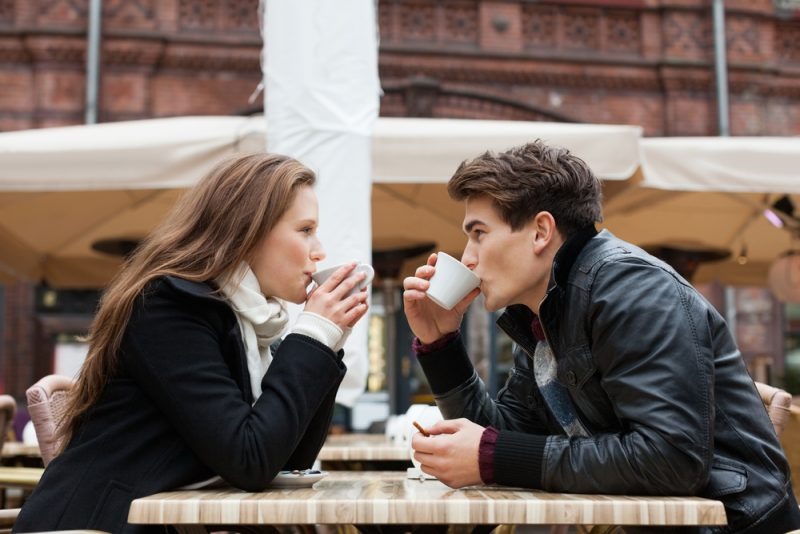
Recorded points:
(93, 60)
(721, 67)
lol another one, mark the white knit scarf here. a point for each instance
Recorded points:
(262, 320)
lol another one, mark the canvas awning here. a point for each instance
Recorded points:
(713, 191)
(62, 189)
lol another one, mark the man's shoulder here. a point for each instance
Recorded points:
(606, 253)
(606, 247)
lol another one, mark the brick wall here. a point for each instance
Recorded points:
(644, 62)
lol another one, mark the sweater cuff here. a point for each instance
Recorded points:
(486, 454)
(318, 327)
(518, 459)
(424, 348)
(343, 339)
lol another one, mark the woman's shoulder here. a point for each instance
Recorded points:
(174, 285)
(176, 291)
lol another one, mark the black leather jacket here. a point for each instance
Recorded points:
(654, 375)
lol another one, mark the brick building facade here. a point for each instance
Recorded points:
(643, 62)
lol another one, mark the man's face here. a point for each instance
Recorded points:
(509, 263)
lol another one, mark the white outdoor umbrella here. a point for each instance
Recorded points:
(63, 189)
(713, 192)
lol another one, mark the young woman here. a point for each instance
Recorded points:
(183, 382)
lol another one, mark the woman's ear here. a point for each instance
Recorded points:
(544, 231)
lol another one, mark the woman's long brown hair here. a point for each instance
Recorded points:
(213, 228)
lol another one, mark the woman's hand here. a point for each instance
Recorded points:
(428, 321)
(330, 300)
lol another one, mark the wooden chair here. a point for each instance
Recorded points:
(778, 403)
(8, 408)
(47, 402)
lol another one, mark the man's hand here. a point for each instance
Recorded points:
(451, 452)
(428, 321)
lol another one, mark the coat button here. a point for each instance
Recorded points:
(571, 379)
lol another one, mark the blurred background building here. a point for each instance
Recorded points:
(640, 62)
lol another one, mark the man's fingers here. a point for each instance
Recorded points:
(466, 301)
(424, 271)
(414, 282)
(447, 426)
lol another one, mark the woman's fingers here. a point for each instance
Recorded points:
(355, 314)
(338, 276)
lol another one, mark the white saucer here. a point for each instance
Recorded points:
(416, 474)
(297, 479)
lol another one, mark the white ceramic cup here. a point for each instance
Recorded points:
(426, 416)
(451, 282)
(320, 276)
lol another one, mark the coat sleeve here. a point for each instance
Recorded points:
(460, 392)
(655, 360)
(175, 347)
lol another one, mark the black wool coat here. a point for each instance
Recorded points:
(178, 410)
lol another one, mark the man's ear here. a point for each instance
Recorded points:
(543, 231)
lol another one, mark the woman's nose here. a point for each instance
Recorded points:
(317, 252)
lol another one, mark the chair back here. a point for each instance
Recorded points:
(47, 403)
(8, 407)
(778, 403)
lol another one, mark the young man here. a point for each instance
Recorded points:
(625, 379)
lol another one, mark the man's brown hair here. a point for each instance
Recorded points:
(527, 179)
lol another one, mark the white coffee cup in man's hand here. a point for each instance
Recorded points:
(451, 282)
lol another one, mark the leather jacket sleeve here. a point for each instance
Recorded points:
(459, 391)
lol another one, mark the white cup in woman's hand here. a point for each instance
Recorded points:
(320, 276)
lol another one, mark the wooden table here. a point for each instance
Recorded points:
(18, 477)
(386, 498)
(24, 477)
(362, 447)
(20, 454)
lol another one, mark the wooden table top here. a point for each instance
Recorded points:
(362, 447)
(20, 476)
(13, 449)
(388, 497)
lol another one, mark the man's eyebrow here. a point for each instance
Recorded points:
(471, 224)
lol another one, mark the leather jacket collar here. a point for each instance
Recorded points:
(517, 318)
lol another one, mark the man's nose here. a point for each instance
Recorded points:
(469, 258)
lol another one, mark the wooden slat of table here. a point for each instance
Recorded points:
(389, 498)
(362, 447)
(12, 449)
(26, 477)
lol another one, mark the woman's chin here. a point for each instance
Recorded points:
(299, 299)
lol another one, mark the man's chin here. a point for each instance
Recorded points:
(489, 305)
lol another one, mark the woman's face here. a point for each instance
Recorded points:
(287, 256)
